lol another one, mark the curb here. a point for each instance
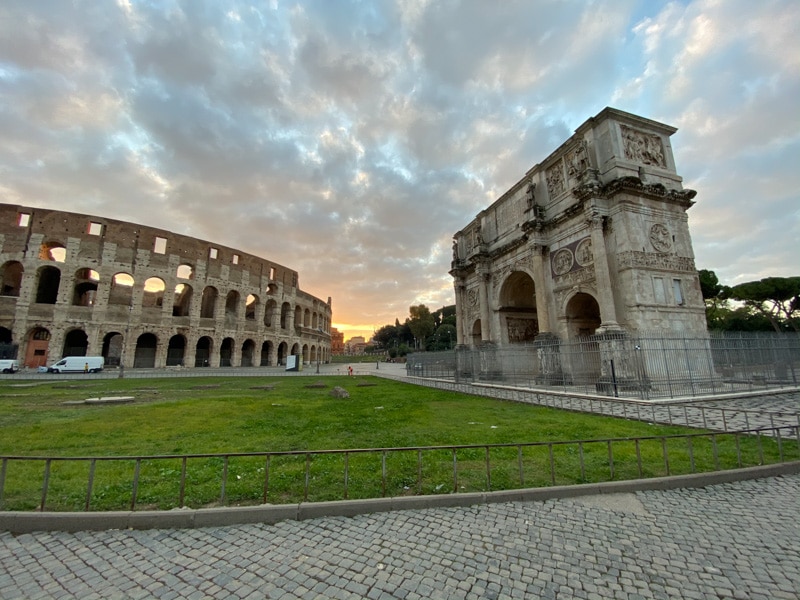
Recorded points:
(18, 522)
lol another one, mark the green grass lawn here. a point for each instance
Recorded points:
(225, 415)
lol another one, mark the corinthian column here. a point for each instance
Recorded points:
(485, 277)
(460, 312)
(540, 289)
(608, 311)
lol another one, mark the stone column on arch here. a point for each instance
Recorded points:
(485, 278)
(608, 311)
(541, 288)
(461, 321)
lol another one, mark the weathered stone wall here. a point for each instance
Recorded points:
(147, 296)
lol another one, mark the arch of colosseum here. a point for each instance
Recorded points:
(79, 285)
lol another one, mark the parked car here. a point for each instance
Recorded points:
(9, 366)
(78, 364)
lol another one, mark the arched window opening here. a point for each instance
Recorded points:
(269, 312)
(54, 251)
(232, 305)
(49, 280)
(182, 302)
(285, 308)
(248, 351)
(208, 302)
(266, 354)
(85, 291)
(185, 271)
(202, 352)
(145, 355)
(282, 350)
(75, 343)
(250, 307)
(11, 278)
(121, 293)
(226, 353)
(176, 351)
(153, 296)
(112, 348)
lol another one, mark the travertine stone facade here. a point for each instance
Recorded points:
(80, 285)
(594, 239)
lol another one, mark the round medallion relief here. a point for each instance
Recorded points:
(660, 237)
(562, 261)
(584, 254)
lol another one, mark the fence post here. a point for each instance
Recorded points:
(135, 490)
(90, 484)
(308, 475)
(614, 379)
(455, 471)
(488, 472)
(45, 483)
(224, 480)
(183, 482)
(3, 480)
(266, 476)
(383, 474)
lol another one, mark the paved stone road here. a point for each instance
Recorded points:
(739, 540)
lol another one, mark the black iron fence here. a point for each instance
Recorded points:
(201, 480)
(642, 365)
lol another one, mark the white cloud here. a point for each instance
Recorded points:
(349, 141)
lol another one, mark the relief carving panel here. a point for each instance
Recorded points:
(648, 260)
(643, 148)
(555, 179)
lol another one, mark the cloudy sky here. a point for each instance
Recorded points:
(350, 140)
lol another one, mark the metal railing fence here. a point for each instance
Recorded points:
(647, 365)
(198, 480)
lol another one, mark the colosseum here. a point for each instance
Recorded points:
(78, 285)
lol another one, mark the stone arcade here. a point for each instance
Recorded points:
(593, 240)
(78, 285)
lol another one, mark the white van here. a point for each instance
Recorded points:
(8, 366)
(78, 364)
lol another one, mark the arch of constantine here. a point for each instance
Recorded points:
(78, 285)
(594, 240)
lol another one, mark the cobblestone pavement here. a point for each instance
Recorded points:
(738, 540)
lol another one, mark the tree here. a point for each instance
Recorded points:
(777, 298)
(715, 298)
(710, 286)
(385, 336)
(420, 323)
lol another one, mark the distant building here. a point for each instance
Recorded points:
(355, 345)
(337, 341)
